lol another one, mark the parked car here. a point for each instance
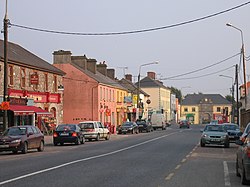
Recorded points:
(243, 160)
(94, 130)
(184, 123)
(233, 131)
(144, 125)
(22, 138)
(245, 132)
(215, 135)
(214, 122)
(128, 127)
(68, 133)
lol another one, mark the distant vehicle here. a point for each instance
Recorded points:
(94, 130)
(22, 138)
(243, 160)
(184, 123)
(214, 135)
(128, 127)
(68, 133)
(158, 121)
(233, 131)
(144, 125)
(214, 122)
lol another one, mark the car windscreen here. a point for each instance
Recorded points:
(86, 125)
(231, 127)
(16, 131)
(127, 124)
(65, 127)
(218, 128)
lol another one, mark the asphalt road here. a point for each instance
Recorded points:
(171, 157)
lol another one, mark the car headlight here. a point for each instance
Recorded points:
(16, 141)
(225, 136)
(204, 135)
(130, 128)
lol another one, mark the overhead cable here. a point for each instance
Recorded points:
(130, 32)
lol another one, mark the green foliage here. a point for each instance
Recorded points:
(177, 93)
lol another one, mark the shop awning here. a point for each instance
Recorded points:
(21, 110)
(28, 110)
(39, 111)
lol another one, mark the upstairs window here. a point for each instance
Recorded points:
(22, 79)
(46, 84)
(11, 76)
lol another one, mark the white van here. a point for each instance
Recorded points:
(158, 121)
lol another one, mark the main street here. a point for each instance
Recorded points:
(171, 157)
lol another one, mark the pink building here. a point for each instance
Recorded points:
(89, 89)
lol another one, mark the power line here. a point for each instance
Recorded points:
(195, 71)
(131, 32)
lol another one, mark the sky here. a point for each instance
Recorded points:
(201, 50)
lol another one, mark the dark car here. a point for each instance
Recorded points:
(144, 125)
(184, 124)
(128, 127)
(243, 160)
(22, 138)
(233, 131)
(68, 133)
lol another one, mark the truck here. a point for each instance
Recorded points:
(158, 121)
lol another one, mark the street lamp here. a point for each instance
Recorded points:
(139, 85)
(232, 118)
(244, 60)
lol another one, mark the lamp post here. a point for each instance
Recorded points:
(139, 85)
(244, 60)
(232, 118)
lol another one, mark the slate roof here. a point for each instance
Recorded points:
(100, 78)
(148, 82)
(194, 99)
(20, 56)
(131, 87)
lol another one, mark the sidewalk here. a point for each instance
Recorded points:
(48, 139)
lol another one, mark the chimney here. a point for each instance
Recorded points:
(91, 65)
(111, 73)
(128, 77)
(61, 57)
(102, 68)
(151, 75)
(80, 61)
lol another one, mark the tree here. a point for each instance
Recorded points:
(177, 93)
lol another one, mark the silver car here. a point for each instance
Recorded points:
(215, 135)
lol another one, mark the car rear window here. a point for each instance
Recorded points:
(86, 125)
(66, 127)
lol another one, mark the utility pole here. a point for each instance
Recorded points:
(5, 92)
(237, 93)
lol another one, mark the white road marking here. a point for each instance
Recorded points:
(226, 174)
(169, 176)
(84, 159)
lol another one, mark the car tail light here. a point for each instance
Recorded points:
(55, 134)
(74, 134)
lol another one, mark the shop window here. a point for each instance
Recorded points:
(218, 109)
(185, 109)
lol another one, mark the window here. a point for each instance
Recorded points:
(100, 93)
(46, 82)
(193, 109)
(35, 86)
(22, 79)
(55, 84)
(11, 76)
(218, 109)
(185, 109)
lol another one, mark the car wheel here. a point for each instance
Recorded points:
(55, 144)
(108, 136)
(237, 168)
(41, 146)
(77, 141)
(227, 145)
(98, 137)
(25, 148)
(202, 144)
(243, 176)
